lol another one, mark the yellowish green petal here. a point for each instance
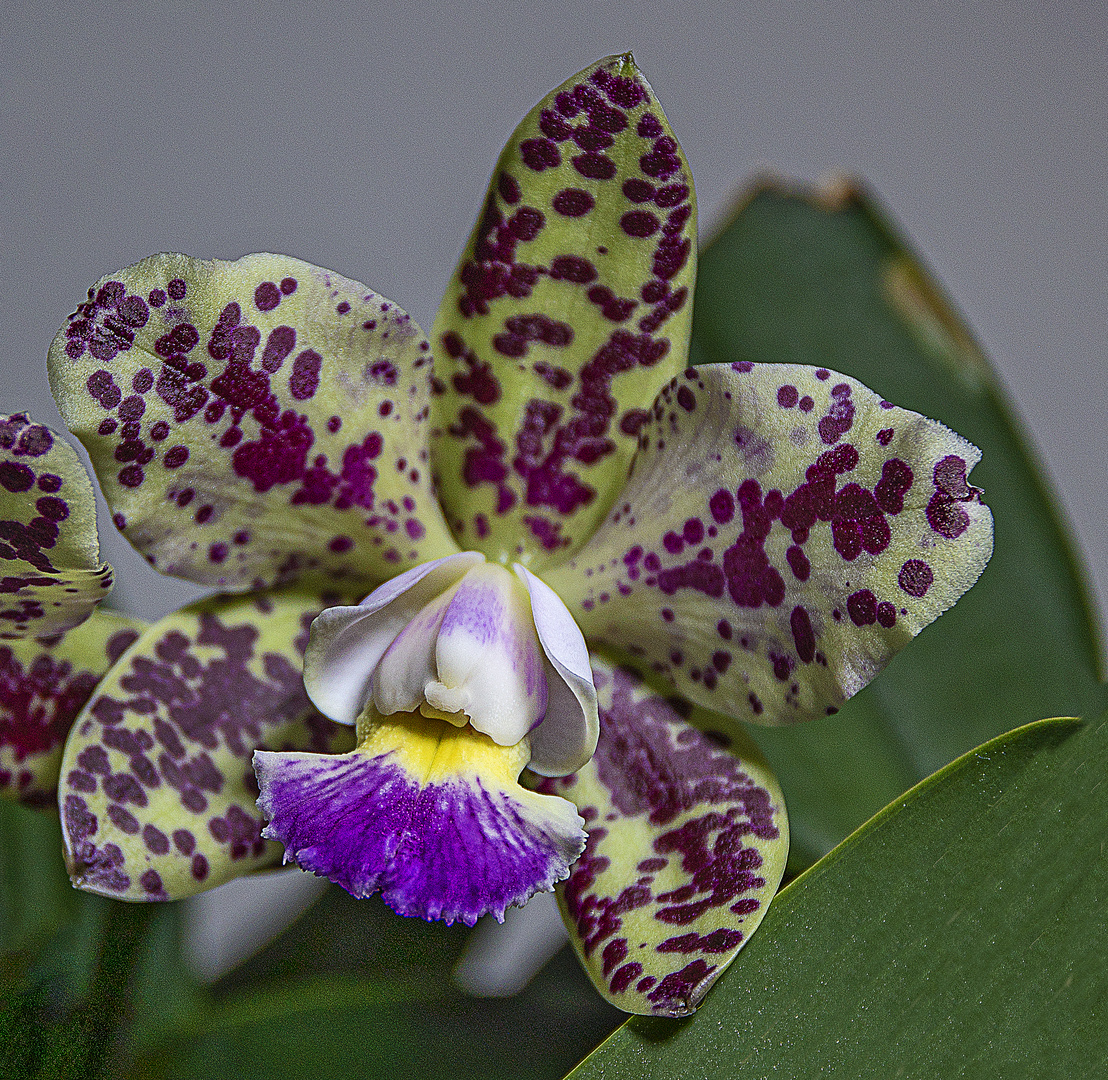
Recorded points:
(43, 686)
(253, 421)
(784, 532)
(570, 307)
(157, 792)
(51, 577)
(687, 844)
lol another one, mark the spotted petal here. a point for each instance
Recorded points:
(251, 421)
(687, 844)
(51, 577)
(43, 686)
(578, 276)
(157, 793)
(783, 533)
(429, 814)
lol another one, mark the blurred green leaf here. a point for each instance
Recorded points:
(353, 990)
(823, 279)
(959, 933)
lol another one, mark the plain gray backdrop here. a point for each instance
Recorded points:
(360, 136)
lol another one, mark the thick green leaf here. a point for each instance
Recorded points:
(800, 278)
(960, 933)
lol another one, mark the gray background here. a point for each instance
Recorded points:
(360, 137)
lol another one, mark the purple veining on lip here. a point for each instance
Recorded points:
(452, 851)
(707, 817)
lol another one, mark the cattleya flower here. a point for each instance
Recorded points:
(733, 542)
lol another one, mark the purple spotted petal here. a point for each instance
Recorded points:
(783, 533)
(43, 686)
(157, 793)
(570, 306)
(437, 842)
(51, 577)
(251, 422)
(687, 844)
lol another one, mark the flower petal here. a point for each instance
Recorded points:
(566, 738)
(578, 275)
(157, 794)
(43, 686)
(251, 421)
(687, 844)
(783, 534)
(426, 813)
(51, 577)
(347, 643)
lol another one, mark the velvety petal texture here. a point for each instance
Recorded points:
(51, 577)
(428, 814)
(783, 533)
(569, 309)
(157, 793)
(687, 844)
(253, 421)
(43, 686)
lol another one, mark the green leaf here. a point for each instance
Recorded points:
(825, 280)
(351, 990)
(568, 312)
(959, 933)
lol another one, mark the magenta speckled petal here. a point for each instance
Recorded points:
(783, 533)
(687, 844)
(570, 306)
(427, 814)
(51, 577)
(251, 422)
(43, 686)
(156, 792)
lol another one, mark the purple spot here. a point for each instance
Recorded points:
(639, 223)
(862, 607)
(572, 202)
(595, 166)
(803, 637)
(539, 154)
(787, 397)
(288, 286)
(304, 380)
(176, 289)
(915, 577)
(176, 456)
(267, 296)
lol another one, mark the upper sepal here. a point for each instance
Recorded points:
(43, 686)
(156, 793)
(51, 577)
(571, 305)
(253, 421)
(687, 844)
(783, 533)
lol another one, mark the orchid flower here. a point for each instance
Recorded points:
(733, 542)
